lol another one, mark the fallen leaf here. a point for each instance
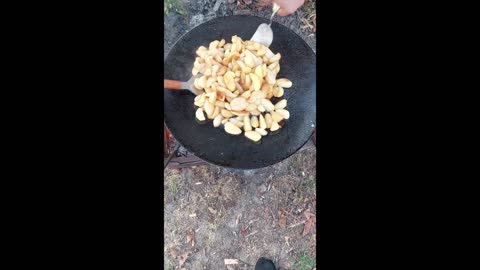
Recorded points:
(191, 237)
(308, 226)
(174, 253)
(213, 211)
(263, 3)
(312, 243)
(183, 258)
(282, 221)
(308, 215)
(243, 232)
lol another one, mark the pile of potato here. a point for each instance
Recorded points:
(238, 80)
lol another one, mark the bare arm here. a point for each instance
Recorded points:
(288, 7)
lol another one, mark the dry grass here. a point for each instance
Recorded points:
(309, 20)
(243, 222)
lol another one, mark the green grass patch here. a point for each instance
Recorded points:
(304, 262)
(173, 5)
(173, 186)
(168, 265)
(305, 189)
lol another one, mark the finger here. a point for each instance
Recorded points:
(283, 12)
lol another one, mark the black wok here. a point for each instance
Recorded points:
(214, 144)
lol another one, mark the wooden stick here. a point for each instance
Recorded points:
(171, 84)
(231, 261)
(295, 225)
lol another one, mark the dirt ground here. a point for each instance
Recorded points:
(244, 215)
(212, 213)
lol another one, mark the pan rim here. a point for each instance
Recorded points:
(242, 167)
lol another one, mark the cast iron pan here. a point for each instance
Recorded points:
(214, 144)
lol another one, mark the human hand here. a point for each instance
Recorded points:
(288, 7)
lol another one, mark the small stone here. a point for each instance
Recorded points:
(262, 188)
(249, 172)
